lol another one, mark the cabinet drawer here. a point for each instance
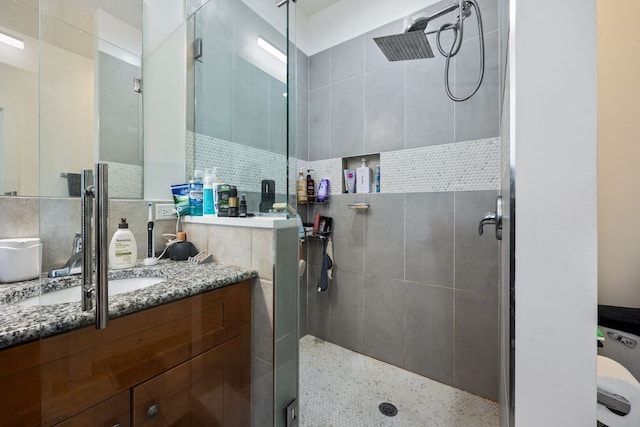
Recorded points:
(213, 389)
(110, 413)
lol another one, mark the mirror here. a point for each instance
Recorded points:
(87, 69)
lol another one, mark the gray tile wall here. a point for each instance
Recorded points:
(414, 284)
(360, 103)
(120, 123)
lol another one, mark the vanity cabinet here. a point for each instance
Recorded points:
(190, 358)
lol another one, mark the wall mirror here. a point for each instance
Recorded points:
(69, 95)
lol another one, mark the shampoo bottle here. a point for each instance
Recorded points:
(363, 178)
(208, 198)
(301, 188)
(123, 250)
(311, 187)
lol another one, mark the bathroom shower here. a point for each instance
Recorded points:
(413, 43)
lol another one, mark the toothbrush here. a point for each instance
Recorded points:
(150, 232)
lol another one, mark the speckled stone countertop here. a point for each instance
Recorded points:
(183, 279)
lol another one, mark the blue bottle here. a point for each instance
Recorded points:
(196, 194)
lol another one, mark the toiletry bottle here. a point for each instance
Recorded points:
(208, 199)
(363, 178)
(301, 188)
(323, 190)
(195, 194)
(377, 178)
(223, 199)
(233, 201)
(350, 180)
(311, 187)
(123, 250)
(242, 209)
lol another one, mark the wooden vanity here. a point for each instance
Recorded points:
(184, 363)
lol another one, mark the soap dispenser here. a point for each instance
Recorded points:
(123, 250)
(363, 178)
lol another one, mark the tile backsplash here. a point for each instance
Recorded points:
(55, 220)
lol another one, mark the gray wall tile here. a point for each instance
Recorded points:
(302, 124)
(477, 117)
(320, 124)
(120, 137)
(384, 319)
(261, 392)
(347, 117)
(429, 112)
(285, 376)
(302, 70)
(277, 116)
(303, 328)
(320, 69)
(489, 12)
(384, 110)
(251, 105)
(476, 256)
(348, 234)
(347, 310)
(476, 343)
(117, 75)
(384, 238)
(286, 282)
(428, 335)
(347, 59)
(429, 238)
(318, 314)
(20, 217)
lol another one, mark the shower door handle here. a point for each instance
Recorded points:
(494, 218)
(101, 219)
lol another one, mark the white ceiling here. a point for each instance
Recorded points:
(310, 7)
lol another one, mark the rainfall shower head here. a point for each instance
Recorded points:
(402, 47)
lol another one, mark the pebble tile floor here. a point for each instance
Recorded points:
(342, 388)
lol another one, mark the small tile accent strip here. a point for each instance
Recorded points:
(125, 181)
(461, 166)
(239, 165)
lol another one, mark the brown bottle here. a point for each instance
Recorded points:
(311, 187)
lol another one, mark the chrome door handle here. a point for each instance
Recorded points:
(494, 218)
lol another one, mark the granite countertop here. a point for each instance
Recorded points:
(183, 279)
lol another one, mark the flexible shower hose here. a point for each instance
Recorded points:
(458, 30)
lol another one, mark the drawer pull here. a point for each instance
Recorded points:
(153, 410)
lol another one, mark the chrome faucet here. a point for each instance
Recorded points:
(74, 260)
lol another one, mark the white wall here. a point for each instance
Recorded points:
(553, 127)
(350, 18)
(618, 154)
(164, 89)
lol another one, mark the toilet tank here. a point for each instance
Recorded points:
(621, 329)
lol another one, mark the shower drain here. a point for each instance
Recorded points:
(388, 409)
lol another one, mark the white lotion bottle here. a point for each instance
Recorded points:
(123, 250)
(363, 178)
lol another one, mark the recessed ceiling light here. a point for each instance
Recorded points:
(11, 41)
(272, 49)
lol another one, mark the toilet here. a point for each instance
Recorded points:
(619, 367)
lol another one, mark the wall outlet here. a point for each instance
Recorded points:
(165, 211)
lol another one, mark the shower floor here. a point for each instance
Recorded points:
(339, 387)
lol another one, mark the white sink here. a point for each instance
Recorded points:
(117, 286)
